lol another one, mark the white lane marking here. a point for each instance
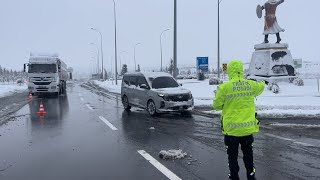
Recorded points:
(108, 123)
(81, 99)
(159, 166)
(89, 106)
(291, 140)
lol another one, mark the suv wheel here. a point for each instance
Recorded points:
(151, 108)
(125, 103)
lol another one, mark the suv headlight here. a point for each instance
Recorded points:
(164, 97)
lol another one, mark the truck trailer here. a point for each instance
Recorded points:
(47, 74)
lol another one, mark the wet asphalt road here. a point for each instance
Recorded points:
(87, 135)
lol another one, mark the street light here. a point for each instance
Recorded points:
(101, 50)
(115, 41)
(175, 40)
(134, 56)
(98, 55)
(219, 1)
(161, 45)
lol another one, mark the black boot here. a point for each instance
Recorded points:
(266, 38)
(278, 38)
(233, 177)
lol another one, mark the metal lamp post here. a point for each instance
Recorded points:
(175, 40)
(115, 42)
(219, 1)
(134, 56)
(101, 51)
(161, 46)
(98, 55)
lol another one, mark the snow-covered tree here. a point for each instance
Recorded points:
(124, 69)
(138, 70)
(170, 68)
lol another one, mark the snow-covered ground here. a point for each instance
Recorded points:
(8, 89)
(110, 86)
(309, 70)
(291, 101)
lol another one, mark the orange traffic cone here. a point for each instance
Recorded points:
(30, 96)
(41, 110)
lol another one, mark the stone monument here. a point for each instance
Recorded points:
(271, 59)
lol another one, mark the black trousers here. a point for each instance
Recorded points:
(232, 145)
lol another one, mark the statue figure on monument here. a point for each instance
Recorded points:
(271, 25)
(271, 59)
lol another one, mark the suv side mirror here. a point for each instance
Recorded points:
(144, 86)
(180, 84)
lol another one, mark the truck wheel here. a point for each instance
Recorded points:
(64, 88)
(60, 89)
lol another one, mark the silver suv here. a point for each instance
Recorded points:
(157, 92)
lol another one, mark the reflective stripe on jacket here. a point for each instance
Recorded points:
(236, 100)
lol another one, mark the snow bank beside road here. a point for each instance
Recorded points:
(202, 92)
(292, 101)
(9, 89)
(110, 86)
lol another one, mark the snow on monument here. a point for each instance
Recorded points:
(271, 60)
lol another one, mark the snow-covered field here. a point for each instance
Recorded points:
(292, 100)
(8, 89)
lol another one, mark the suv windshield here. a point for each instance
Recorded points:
(42, 68)
(163, 82)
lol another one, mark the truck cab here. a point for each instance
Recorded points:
(46, 75)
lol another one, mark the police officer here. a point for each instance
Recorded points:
(236, 100)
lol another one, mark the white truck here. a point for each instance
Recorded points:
(47, 74)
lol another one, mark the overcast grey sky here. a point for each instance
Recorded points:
(63, 26)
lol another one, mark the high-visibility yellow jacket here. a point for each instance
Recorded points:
(236, 100)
